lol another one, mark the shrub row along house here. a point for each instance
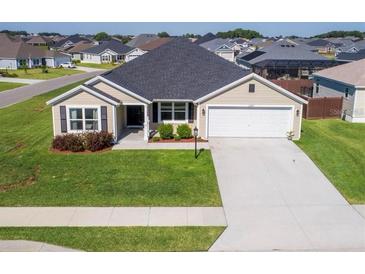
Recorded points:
(16, 54)
(179, 83)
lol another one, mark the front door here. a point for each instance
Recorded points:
(135, 116)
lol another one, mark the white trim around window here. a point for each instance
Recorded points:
(82, 107)
(173, 120)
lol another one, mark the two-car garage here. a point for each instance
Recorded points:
(249, 121)
(252, 107)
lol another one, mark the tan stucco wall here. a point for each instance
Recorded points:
(154, 126)
(124, 98)
(81, 99)
(263, 95)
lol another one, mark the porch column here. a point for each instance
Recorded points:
(146, 125)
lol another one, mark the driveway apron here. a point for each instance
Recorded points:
(275, 198)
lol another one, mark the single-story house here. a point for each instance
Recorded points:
(222, 47)
(133, 54)
(141, 39)
(179, 83)
(155, 43)
(14, 55)
(106, 52)
(39, 40)
(76, 50)
(205, 38)
(285, 60)
(69, 41)
(351, 56)
(348, 81)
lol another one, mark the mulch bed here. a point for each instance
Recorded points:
(190, 140)
(57, 151)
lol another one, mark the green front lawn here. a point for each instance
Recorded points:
(31, 175)
(338, 149)
(36, 73)
(7, 86)
(99, 66)
(119, 238)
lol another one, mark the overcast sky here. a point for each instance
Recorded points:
(267, 29)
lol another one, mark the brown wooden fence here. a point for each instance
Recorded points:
(300, 87)
(323, 107)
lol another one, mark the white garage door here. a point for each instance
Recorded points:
(249, 121)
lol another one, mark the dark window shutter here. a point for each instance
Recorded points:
(63, 119)
(155, 112)
(191, 113)
(104, 118)
(251, 88)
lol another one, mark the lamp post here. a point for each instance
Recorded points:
(195, 139)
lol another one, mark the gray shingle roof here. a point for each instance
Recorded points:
(141, 39)
(113, 45)
(214, 44)
(177, 70)
(351, 56)
(205, 38)
(73, 38)
(283, 52)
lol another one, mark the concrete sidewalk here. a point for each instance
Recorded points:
(111, 216)
(31, 246)
(20, 80)
(145, 145)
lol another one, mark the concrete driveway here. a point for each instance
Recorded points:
(275, 198)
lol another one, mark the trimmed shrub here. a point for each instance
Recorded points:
(184, 131)
(95, 141)
(177, 138)
(92, 141)
(71, 142)
(155, 139)
(166, 131)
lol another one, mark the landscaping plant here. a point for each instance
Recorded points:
(184, 131)
(166, 131)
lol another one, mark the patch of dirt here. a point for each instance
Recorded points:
(25, 183)
(18, 146)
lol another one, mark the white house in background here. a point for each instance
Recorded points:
(348, 81)
(106, 52)
(133, 54)
(222, 47)
(14, 55)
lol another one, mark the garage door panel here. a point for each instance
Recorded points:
(249, 121)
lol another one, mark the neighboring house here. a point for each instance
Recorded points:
(106, 52)
(283, 60)
(179, 82)
(40, 41)
(141, 39)
(259, 43)
(348, 81)
(14, 55)
(222, 47)
(76, 50)
(154, 44)
(133, 54)
(323, 46)
(205, 38)
(69, 41)
(349, 57)
(239, 43)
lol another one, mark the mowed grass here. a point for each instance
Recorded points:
(338, 149)
(36, 73)
(32, 175)
(7, 86)
(119, 238)
(99, 66)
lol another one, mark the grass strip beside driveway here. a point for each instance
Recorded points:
(338, 149)
(36, 73)
(119, 238)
